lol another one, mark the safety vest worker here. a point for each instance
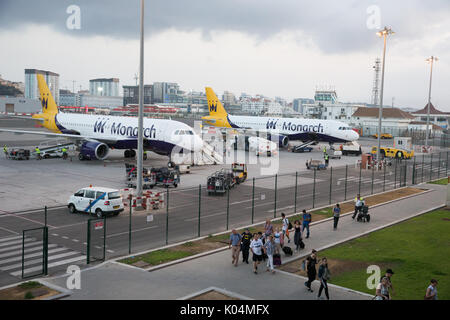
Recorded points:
(359, 203)
(324, 149)
(37, 150)
(5, 149)
(64, 150)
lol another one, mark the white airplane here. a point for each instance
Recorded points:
(95, 135)
(307, 130)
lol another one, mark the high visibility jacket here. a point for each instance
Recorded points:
(64, 150)
(38, 151)
(360, 199)
(5, 149)
(326, 156)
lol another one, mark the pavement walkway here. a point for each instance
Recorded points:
(112, 280)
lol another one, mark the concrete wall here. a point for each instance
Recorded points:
(20, 105)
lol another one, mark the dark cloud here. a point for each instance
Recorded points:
(335, 26)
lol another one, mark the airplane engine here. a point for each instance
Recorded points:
(283, 141)
(92, 150)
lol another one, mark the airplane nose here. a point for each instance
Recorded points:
(355, 135)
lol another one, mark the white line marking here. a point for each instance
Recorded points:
(19, 252)
(51, 265)
(10, 238)
(20, 246)
(36, 261)
(75, 240)
(31, 255)
(14, 242)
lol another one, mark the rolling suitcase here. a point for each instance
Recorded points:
(276, 260)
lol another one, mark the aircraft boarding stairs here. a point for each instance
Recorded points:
(207, 156)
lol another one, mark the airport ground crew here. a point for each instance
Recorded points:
(5, 150)
(326, 159)
(38, 153)
(359, 203)
(145, 155)
(64, 153)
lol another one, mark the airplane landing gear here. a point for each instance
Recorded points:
(129, 153)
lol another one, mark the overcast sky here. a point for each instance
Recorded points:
(277, 48)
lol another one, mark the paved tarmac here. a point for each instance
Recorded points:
(33, 184)
(114, 281)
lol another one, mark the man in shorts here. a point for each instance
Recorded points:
(256, 246)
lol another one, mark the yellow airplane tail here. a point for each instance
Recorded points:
(49, 107)
(216, 108)
(47, 101)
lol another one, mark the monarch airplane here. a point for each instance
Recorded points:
(306, 130)
(96, 135)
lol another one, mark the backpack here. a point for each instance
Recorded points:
(290, 225)
(287, 251)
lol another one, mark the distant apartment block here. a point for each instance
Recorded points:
(31, 85)
(131, 94)
(104, 87)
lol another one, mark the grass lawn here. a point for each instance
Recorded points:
(443, 181)
(417, 250)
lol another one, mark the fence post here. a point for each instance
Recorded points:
(384, 177)
(360, 172)
(314, 188)
(423, 162)
(431, 167)
(45, 215)
(439, 168)
(167, 218)
(395, 174)
(199, 206)
(275, 206)
(446, 168)
(88, 249)
(296, 186)
(373, 172)
(253, 200)
(129, 227)
(414, 172)
(45, 253)
(345, 191)
(104, 238)
(228, 208)
(331, 184)
(23, 252)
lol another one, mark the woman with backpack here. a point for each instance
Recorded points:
(324, 276)
(298, 236)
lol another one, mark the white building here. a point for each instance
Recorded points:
(31, 85)
(104, 87)
(327, 107)
(437, 117)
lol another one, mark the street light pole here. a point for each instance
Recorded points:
(383, 33)
(140, 153)
(431, 61)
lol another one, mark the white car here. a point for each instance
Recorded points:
(96, 201)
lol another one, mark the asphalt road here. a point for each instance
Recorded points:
(68, 232)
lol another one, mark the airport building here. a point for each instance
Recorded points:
(104, 87)
(327, 107)
(131, 94)
(437, 117)
(19, 105)
(166, 92)
(298, 104)
(31, 85)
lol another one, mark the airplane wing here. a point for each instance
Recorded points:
(73, 137)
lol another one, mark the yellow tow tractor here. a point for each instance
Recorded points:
(239, 172)
(383, 136)
(395, 153)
